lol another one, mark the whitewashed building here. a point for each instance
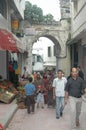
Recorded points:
(45, 48)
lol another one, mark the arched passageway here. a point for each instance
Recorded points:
(49, 48)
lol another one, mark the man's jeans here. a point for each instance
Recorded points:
(59, 105)
(75, 104)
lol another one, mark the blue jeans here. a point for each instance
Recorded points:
(59, 105)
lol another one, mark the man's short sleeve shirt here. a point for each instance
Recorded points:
(59, 85)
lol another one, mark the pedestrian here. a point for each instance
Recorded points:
(73, 91)
(50, 101)
(11, 72)
(40, 98)
(80, 73)
(25, 73)
(58, 92)
(30, 93)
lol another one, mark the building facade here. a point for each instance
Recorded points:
(11, 15)
(46, 49)
(78, 34)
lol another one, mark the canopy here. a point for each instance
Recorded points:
(7, 41)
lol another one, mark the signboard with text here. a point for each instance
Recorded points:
(30, 32)
(15, 24)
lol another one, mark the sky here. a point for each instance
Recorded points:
(48, 6)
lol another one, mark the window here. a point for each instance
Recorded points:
(39, 59)
(67, 11)
(49, 51)
(54, 51)
(3, 8)
(75, 7)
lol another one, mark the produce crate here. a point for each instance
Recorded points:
(6, 97)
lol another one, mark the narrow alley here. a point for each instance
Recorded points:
(44, 119)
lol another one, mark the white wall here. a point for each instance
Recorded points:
(41, 47)
(51, 59)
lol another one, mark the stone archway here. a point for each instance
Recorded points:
(59, 36)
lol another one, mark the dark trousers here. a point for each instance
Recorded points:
(31, 108)
(30, 102)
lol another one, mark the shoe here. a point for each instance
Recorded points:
(32, 112)
(57, 117)
(77, 123)
(28, 112)
(61, 114)
(37, 105)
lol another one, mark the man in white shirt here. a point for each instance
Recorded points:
(59, 92)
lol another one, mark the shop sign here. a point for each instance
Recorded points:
(15, 24)
(30, 32)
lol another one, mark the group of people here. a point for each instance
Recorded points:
(42, 87)
(64, 89)
(71, 90)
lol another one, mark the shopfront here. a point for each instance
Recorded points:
(78, 55)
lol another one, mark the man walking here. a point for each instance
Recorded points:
(58, 92)
(74, 89)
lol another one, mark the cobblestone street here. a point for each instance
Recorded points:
(44, 119)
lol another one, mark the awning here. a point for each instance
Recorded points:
(50, 64)
(7, 41)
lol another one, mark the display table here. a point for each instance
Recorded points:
(6, 97)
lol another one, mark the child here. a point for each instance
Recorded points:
(30, 91)
(40, 99)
